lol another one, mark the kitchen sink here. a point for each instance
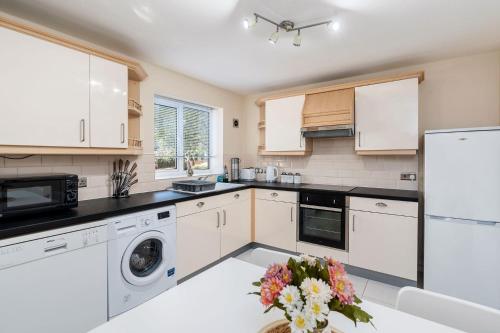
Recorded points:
(218, 187)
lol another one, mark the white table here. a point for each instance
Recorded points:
(217, 301)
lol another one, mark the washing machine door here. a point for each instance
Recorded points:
(144, 259)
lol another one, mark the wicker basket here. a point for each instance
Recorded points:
(282, 326)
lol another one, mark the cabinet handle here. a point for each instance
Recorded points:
(291, 214)
(123, 132)
(274, 194)
(200, 204)
(82, 130)
(353, 223)
(218, 220)
(224, 217)
(300, 140)
(236, 196)
(381, 204)
(359, 139)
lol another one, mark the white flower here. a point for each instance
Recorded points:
(311, 261)
(316, 290)
(290, 298)
(301, 323)
(317, 310)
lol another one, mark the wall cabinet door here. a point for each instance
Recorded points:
(387, 116)
(198, 241)
(108, 104)
(44, 93)
(383, 243)
(283, 123)
(236, 226)
(276, 224)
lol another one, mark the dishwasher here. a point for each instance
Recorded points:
(55, 283)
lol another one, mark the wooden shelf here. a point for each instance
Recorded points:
(284, 153)
(387, 152)
(134, 108)
(28, 150)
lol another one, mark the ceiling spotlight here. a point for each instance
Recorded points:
(333, 26)
(297, 39)
(273, 39)
(249, 22)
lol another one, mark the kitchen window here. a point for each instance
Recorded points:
(185, 131)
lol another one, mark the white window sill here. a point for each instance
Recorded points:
(162, 175)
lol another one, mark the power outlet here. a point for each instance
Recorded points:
(411, 176)
(82, 181)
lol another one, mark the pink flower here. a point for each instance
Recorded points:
(341, 286)
(342, 289)
(270, 290)
(279, 271)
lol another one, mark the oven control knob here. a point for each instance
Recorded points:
(334, 201)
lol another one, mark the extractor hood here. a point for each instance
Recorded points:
(329, 114)
(328, 131)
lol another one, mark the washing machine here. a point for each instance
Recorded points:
(141, 257)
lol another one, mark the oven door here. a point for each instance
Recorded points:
(31, 196)
(323, 225)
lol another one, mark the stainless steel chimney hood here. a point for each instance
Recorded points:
(335, 131)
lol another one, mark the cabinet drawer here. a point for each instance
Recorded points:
(203, 204)
(198, 205)
(233, 197)
(284, 196)
(394, 207)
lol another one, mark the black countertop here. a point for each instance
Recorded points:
(97, 209)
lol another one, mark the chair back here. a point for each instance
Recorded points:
(453, 312)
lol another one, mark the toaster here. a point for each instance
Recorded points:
(247, 174)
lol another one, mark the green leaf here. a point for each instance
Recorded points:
(257, 284)
(254, 293)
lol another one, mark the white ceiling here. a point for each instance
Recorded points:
(206, 40)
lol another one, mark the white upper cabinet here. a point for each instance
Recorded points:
(386, 116)
(283, 123)
(44, 93)
(108, 104)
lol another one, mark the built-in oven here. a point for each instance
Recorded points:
(323, 219)
(37, 193)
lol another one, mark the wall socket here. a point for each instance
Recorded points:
(411, 176)
(82, 181)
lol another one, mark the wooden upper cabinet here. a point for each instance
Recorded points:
(329, 108)
(387, 118)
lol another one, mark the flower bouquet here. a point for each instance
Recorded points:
(307, 290)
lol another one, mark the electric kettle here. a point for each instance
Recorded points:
(272, 174)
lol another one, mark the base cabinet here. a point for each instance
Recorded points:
(198, 241)
(276, 224)
(205, 236)
(384, 243)
(236, 226)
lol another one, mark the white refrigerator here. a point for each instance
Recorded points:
(462, 214)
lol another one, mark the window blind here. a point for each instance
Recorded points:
(165, 136)
(197, 136)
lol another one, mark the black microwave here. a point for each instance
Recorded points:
(21, 195)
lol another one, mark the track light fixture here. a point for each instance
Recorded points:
(288, 26)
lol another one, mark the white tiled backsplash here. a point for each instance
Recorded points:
(335, 162)
(97, 169)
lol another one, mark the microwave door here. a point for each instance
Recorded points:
(32, 195)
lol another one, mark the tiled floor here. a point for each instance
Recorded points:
(373, 291)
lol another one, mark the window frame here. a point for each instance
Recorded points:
(178, 172)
